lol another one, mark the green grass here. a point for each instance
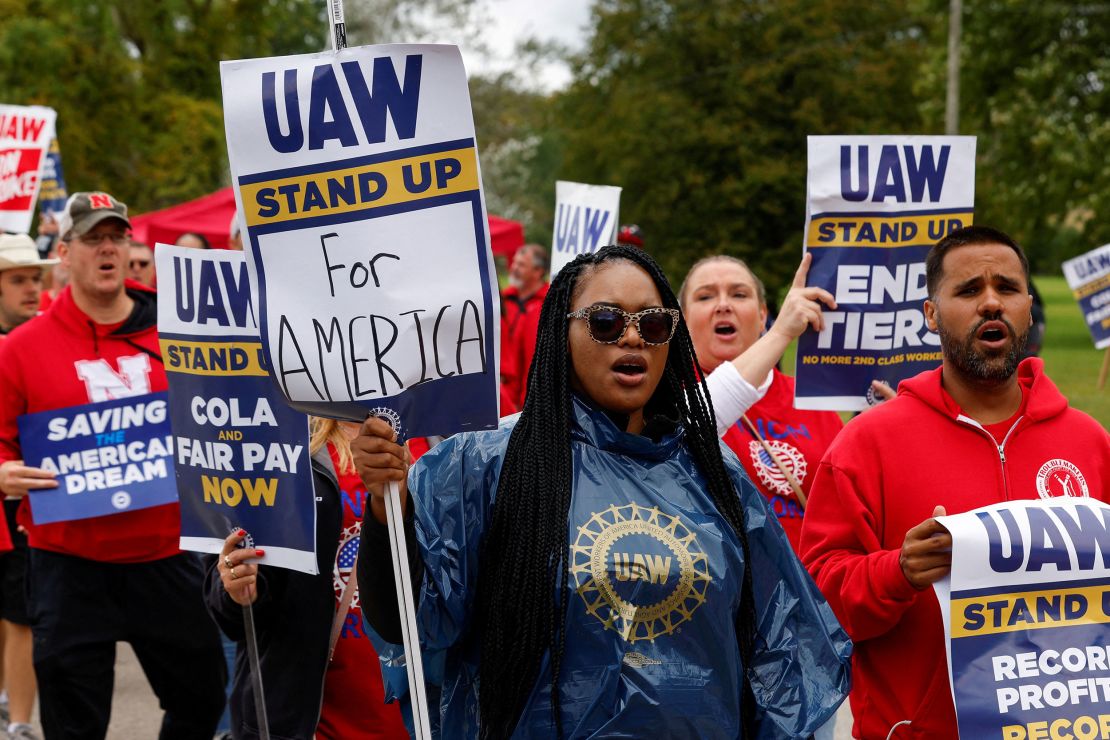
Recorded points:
(1070, 357)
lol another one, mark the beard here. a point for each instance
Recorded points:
(978, 365)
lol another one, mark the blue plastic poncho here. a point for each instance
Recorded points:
(651, 649)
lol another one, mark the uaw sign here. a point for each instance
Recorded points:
(242, 457)
(1026, 611)
(874, 207)
(25, 136)
(357, 177)
(586, 219)
(1088, 276)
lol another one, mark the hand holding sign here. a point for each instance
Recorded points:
(237, 575)
(17, 479)
(379, 459)
(802, 305)
(926, 552)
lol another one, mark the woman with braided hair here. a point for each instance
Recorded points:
(599, 565)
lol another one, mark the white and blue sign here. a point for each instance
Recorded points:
(875, 206)
(109, 457)
(1027, 614)
(357, 179)
(1088, 276)
(242, 454)
(586, 219)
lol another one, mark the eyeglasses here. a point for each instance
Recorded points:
(140, 263)
(607, 324)
(95, 240)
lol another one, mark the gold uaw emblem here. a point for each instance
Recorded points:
(610, 550)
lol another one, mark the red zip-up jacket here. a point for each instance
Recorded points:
(881, 477)
(63, 359)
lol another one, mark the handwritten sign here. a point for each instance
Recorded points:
(242, 456)
(1088, 276)
(357, 178)
(25, 135)
(875, 206)
(110, 457)
(586, 219)
(1026, 610)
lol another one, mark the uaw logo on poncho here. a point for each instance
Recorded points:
(640, 571)
(1026, 611)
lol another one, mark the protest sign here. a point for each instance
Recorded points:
(1088, 276)
(586, 219)
(874, 207)
(242, 457)
(25, 134)
(357, 179)
(52, 196)
(1025, 613)
(110, 456)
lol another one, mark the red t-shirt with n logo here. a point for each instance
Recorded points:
(61, 359)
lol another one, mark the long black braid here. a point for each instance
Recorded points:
(524, 558)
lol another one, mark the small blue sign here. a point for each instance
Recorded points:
(110, 457)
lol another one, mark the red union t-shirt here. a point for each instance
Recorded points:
(354, 698)
(799, 438)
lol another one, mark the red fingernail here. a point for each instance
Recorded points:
(241, 532)
(259, 553)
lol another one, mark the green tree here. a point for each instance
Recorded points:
(700, 110)
(1034, 79)
(136, 84)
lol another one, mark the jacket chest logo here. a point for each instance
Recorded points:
(639, 571)
(102, 383)
(1058, 477)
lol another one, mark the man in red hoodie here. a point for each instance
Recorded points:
(979, 430)
(97, 581)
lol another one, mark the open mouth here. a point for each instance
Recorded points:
(630, 367)
(992, 332)
(724, 330)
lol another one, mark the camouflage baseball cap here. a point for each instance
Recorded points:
(83, 211)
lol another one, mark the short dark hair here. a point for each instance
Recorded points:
(966, 237)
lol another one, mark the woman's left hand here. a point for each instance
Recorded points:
(802, 305)
(238, 576)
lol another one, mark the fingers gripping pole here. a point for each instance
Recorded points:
(406, 604)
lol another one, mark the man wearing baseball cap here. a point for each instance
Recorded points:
(21, 272)
(100, 580)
